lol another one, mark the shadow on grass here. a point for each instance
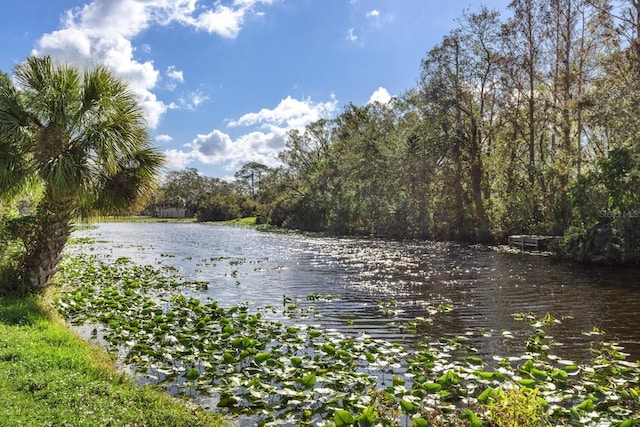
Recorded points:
(21, 311)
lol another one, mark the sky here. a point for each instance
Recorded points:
(223, 81)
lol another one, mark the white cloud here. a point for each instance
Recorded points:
(351, 36)
(102, 31)
(174, 74)
(67, 44)
(212, 144)
(218, 147)
(177, 159)
(262, 142)
(290, 113)
(380, 95)
(189, 101)
(154, 108)
(197, 98)
(377, 19)
(163, 138)
(224, 20)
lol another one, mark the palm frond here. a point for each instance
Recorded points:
(130, 188)
(83, 137)
(50, 91)
(84, 133)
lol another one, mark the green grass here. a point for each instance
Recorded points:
(240, 222)
(135, 218)
(50, 376)
(249, 221)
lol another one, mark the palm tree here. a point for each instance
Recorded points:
(82, 136)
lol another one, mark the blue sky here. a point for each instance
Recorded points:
(223, 81)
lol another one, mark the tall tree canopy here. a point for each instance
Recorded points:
(186, 189)
(249, 176)
(524, 125)
(82, 136)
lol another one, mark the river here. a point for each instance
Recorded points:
(377, 286)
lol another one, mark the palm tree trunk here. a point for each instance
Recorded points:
(44, 250)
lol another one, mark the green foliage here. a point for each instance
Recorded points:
(186, 189)
(304, 212)
(80, 138)
(249, 177)
(488, 144)
(281, 373)
(49, 375)
(522, 406)
(224, 207)
(209, 199)
(247, 221)
(606, 205)
(12, 252)
(11, 261)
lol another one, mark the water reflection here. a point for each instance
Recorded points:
(384, 284)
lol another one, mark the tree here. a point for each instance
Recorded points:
(606, 205)
(223, 206)
(369, 151)
(186, 189)
(524, 34)
(515, 127)
(250, 175)
(82, 135)
(459, 79)
(481, 44)
(606, 200)
(307, 179)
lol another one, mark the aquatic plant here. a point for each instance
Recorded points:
(291, 371)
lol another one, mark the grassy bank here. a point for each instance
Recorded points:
(135, 218)
(49, 376)
(243, 222)
(249, 221)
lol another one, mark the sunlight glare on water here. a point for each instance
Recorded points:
(377, 286)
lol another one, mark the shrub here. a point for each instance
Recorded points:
(521, 407)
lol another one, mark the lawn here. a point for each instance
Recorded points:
(50, 376)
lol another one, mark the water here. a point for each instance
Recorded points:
(377, 286)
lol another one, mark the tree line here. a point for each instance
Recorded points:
(524, 124)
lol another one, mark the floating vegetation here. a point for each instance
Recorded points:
(283, 372)
(389, 308)
(81, 241)
(84, 226)
(316, 296)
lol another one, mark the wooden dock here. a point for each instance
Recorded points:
(532, 243)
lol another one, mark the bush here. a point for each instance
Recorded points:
(606, 211)
(223, 207)
(307, 212)
(607, 242)
(12, 255)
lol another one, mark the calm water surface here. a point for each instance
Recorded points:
(484, 286)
